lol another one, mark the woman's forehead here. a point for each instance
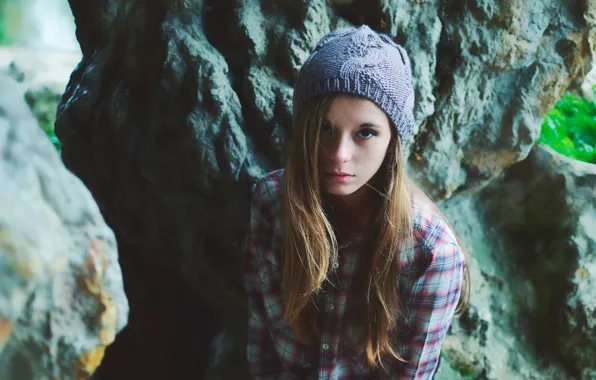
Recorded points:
(355, 110)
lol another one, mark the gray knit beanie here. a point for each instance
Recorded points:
(360, 62)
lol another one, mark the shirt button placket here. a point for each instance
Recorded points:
(326, 337)
(330, 303)
(330, 299)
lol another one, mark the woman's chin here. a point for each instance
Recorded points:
(341, 189)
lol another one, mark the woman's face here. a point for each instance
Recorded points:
(353, 144)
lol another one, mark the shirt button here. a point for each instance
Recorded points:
(325, 346)
(331, 307)
(335, 265)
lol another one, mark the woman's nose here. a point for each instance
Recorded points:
(342, 151)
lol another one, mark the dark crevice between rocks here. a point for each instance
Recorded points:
(359, 12)
(169, 328)
(224, 34)
(565, 48)
(542, 251)
(551, 287)
(577, 10)
(479, 13)
(294, 12)
(569, 50)
(223, 30)
(449, 51)
(166, 334)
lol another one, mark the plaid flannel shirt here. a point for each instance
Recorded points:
(430, 283)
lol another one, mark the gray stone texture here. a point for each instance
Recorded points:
(531, 237)
(178, 106)
(62, 300)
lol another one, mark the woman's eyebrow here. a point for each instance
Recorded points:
(369, 125)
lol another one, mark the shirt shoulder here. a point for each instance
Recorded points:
(267, 190)
(430, 227)
(266, 216)
(432, 234)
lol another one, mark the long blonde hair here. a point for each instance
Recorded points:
(309, 243)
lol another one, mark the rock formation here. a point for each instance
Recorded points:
(532, 237)
(61, 295)
(177, 106)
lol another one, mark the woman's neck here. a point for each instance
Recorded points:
(348, 217)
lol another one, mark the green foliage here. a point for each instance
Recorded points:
(44, 104)
(10, 16)
(570, 128)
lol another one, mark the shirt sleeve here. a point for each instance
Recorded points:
(263, 361)
(432, 305)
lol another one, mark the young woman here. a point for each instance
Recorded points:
(351, 272)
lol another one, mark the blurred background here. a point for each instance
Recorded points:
(38, 24)
(39, 49)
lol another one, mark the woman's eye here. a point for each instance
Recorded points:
(366, 133)
(326, 129)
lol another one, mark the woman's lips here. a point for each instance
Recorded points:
(339, 177)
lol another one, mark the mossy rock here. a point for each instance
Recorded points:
(44, 104)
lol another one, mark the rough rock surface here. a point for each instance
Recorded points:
(177, 106)
(497, 66)
(533, 312)
(61, 295)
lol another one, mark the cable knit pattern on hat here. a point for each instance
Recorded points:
(360, 62)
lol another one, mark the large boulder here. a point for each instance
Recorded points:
(62, 300)
(495, 68)
(532, 235)
(178, 106)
